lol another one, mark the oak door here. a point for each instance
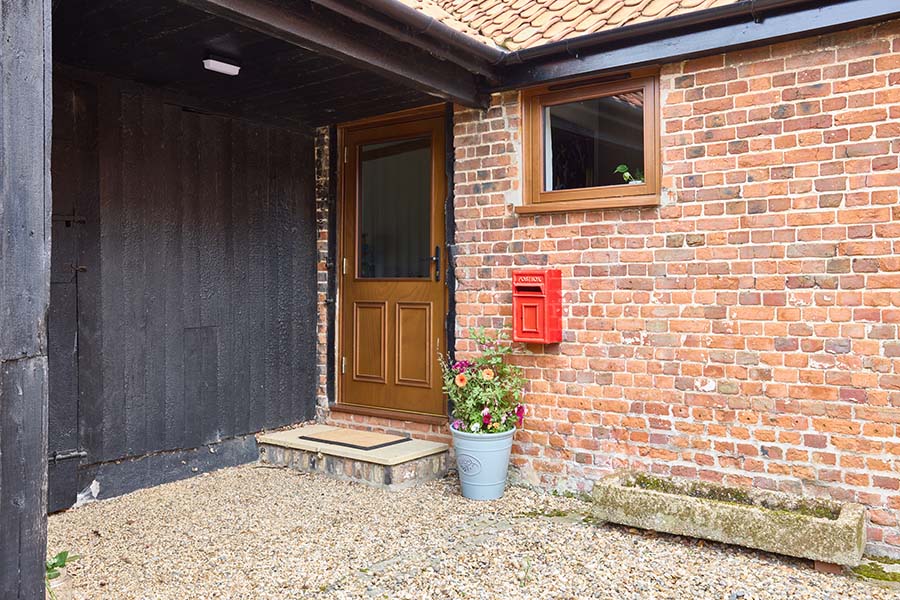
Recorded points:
(393, 297)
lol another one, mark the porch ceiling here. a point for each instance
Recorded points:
(162, 42)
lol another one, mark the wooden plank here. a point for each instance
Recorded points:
(256, 201)
(25, 263)
(193, 385)
(173, 218)
(305, 257)
(270, 287)
(156, 203)
(132, 232)
(191, 417)
(90, 377)
(240, 306)
(25, 206)
(112, 306)
(23, 477)
(282, 291)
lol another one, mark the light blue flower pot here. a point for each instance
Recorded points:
(482, 460)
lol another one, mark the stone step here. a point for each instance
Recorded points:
(390, 467)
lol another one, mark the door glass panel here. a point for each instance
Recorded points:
(395, 209)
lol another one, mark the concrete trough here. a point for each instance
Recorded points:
(817, 529)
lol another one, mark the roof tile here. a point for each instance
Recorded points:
(516, 24)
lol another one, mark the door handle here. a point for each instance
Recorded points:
(436, 259)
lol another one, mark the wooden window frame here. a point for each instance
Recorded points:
(533, 103)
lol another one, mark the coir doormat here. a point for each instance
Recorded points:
(360, 440)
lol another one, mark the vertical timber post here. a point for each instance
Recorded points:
(25, 207)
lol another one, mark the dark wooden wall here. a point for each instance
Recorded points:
(24, 293)
(196, 305)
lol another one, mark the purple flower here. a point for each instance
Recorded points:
(520, 414)
(461, 365)
(457, 424)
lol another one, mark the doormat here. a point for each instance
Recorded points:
(360, 440)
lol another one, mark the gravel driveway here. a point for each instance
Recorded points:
(262, 532)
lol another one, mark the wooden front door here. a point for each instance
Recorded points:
(393, 295)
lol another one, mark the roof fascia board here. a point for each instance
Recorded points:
(800, 22)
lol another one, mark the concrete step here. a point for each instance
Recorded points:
(390, 467)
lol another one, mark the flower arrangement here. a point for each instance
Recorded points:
(486, 391)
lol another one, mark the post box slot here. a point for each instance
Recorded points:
(529, 289)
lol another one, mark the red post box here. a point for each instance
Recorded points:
(537, 306)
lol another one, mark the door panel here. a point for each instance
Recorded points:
(393, 296)
(414, 344)
(369, 325)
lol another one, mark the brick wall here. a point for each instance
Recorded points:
(745, 331)
(323, 167)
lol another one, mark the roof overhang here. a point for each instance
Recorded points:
(377, 49)
(741, 25)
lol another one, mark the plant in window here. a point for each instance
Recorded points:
(487, 407)
(625, 172)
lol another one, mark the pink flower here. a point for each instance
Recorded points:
(457, 424)
(461, 365)
(486, 416)
(520, 414)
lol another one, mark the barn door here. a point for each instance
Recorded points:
(393, 290)
(63, 438)
(74, 172)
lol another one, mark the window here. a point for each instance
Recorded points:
(591, 145)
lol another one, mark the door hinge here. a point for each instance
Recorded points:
(345, 154)
(344, 266)
(66, 455)
(343, 365)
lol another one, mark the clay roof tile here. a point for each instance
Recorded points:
(525, 23)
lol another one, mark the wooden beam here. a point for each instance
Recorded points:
(663, 48)
(319, 30)
(25, 117)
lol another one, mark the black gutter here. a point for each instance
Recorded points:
(423, 24)
(411, 33)
(754, 9)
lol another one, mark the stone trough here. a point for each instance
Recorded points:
(821, 530)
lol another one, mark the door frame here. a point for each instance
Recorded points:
(339, 173)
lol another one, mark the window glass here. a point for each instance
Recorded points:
(395, 209)
(593, 143)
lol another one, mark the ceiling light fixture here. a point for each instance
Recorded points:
(218, 65)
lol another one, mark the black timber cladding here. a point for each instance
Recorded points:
(198, 302)
(25, 124)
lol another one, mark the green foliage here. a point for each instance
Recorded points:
(626, 174)
(486, 391)
(53, 566)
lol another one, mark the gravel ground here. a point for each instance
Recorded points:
(263, 532)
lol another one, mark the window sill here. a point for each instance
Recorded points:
(589, 204)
